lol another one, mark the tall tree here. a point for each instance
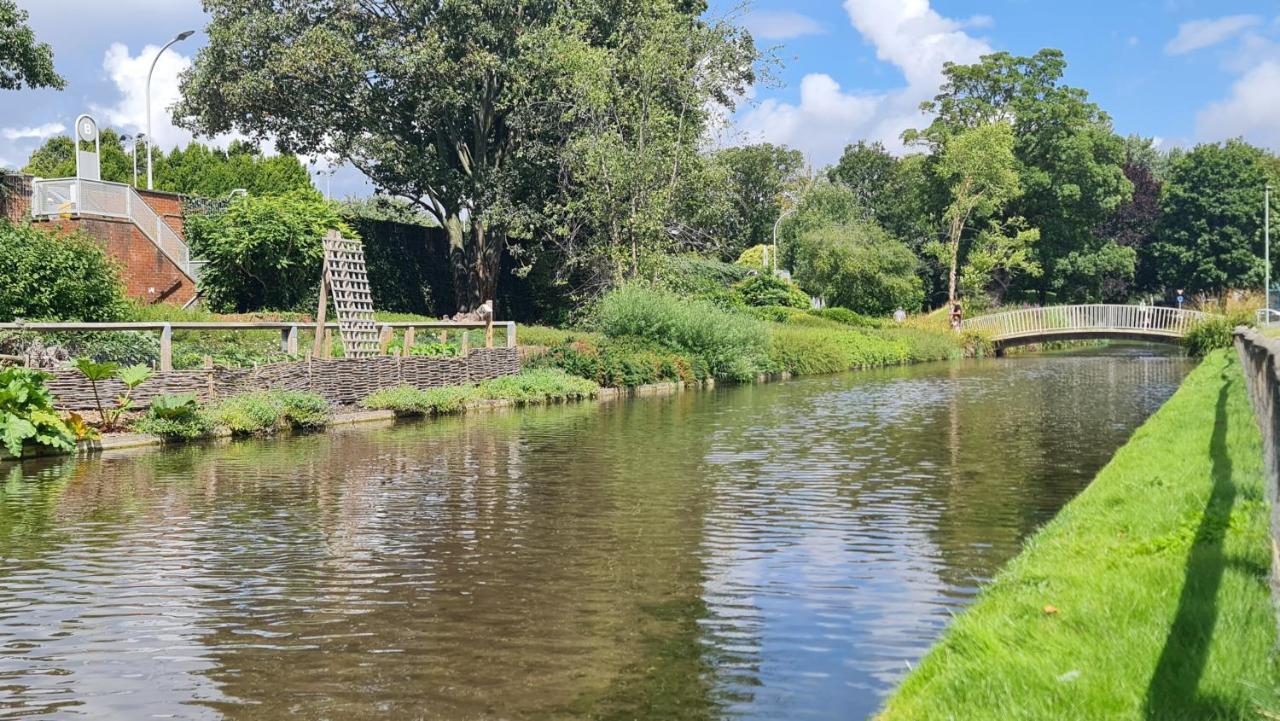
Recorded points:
(24, 60)
(980, 170)
(1069, 158)
(755, 179)
(1133, 225)
(1209, 237)
(454, 104)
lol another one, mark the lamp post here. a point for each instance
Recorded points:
(776, 223)
(1266, 245)
(181, 36)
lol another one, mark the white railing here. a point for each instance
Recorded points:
(71, 196)
(1267, 317)
(1076, 319)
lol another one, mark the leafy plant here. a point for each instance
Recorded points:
(1214, 332)
(175, 416)
(765, 288)
(539, 385)
(26, 412)
(409, 400)
(266, 412)
(131, 376)
(51, 275)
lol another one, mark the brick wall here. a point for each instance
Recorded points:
(168, 206)
(148, 274)
(15, 197)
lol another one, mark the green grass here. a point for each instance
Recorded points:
(529, 387)
(1158, 574)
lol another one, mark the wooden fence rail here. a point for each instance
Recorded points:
(290, 331)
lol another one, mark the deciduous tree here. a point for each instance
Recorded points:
(23, 59)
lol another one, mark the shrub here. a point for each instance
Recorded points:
(765, 289)
(280, 237)
(175, 417)
(265, 412)
(622, 362)
(538, 385)
(409, 400)
(130, 376)
(858, 266)
(692, 275)
(48, 275)
(753, 257)
(730, 344)
(848, 317)
(26, 412)
(1214, 332)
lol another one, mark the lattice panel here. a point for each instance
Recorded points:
(349, 289)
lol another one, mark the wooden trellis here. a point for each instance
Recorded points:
(345, 279)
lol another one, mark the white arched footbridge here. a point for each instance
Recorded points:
(1085, 322)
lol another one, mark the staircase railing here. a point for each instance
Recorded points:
(72, 196)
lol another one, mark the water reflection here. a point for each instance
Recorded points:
(757, 552)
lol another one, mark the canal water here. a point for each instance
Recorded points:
(761, 552)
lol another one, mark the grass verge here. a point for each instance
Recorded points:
(1147, 596)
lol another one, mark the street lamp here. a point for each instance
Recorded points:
(181, 36)
(1266, 244)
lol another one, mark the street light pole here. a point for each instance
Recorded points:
(1266, 244)
(181, 36)
(776, 223)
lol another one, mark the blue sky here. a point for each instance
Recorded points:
(1184, 71)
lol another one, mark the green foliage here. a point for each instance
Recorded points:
(264, 252)
(409, 400)
(538, 385)
(1215, 331)
(51, 276)
(1209, 236)
(266, 412)
(860, 267)
(26, 412)
(821, 205)
(848, 317)
(131, 376)
(621, 363)
(175, 417)
(691, 275)
(541, 335)
(802, 350)
(754, 257)
(730, 344)
(23, 59)
(756, 177)
(765, 288)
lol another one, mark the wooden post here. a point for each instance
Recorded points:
(488, 333)
(384, 339)
(511, 334)
(208, 377)
(466, 343)
(321, 348)
(408, 341)
(291, 341)
(326, 351)
(444, 337)
(166, 348)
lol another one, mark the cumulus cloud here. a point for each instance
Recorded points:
(129, 74)
(38, 132)
(908, 34)
(1249, 111)
(781, 25)
(1199, 34)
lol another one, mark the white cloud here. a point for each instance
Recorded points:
(129, 74)
(781, 25)
(908, 34)
(38, 132)
(1198, 34)
(1249, 111)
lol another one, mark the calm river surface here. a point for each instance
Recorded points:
(764, 552)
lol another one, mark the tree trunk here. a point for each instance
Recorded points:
(475, 253)
(957, 227)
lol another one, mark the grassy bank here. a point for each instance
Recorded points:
(1146, 598)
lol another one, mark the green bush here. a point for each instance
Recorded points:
(175, 417)
(538, 385)
(409, 400)
(691, 275)
(858, 266)
(48, 275)
(621, 362)
(766, 289)
(1214, 332)
(753, 257)
(802, 350)
(265, 412)
(848, 317)
(279, 237)
(27, 415)
(732, 345)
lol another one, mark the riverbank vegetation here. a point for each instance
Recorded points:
(1145, 598)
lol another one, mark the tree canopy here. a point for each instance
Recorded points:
(24, 61)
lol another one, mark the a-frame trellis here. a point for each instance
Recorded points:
(345, 279)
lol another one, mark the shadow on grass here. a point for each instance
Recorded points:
(1172, 693)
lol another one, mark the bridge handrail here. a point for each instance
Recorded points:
(1096, 317)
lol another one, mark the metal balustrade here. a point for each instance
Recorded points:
(1099, 320)
(78, 196)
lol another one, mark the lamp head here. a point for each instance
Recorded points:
(185, 34)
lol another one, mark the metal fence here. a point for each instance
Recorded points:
(1069, 319)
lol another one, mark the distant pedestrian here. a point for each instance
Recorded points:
(900, 316)
(957, 316)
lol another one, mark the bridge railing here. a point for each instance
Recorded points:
(1064, 319)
